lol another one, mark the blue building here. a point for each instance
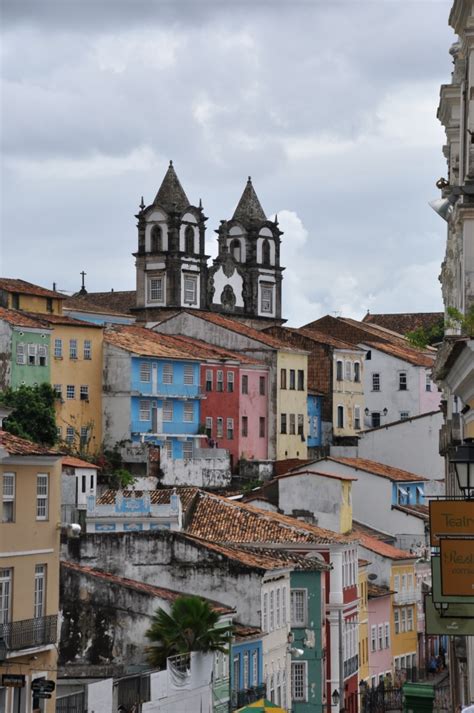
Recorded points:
(315, 403)
(246, 666)
(151, 391)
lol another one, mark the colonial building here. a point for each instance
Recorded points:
(172, 271)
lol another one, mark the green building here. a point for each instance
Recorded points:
(307, 623)
(25, 350)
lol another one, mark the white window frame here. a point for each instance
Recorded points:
(188, 450)
(188, 375)
(144, 410)
(42, 354)
(188, 412)
(266, 298)
(209, 380)
(73, 349)
(299, 609)
(32, 348)
(190, 289)
(387, 635)
(87, 349)
(357, 372)
(156, 289)
(167, 375)
(39, 604)
(230, 381)
(246, 669)
(84, 392)
(70, 434)
(168, 448)
(219, 427)
(278, 608)
(230, 429)
(410, 619)
(209, 426)
(58, 348)
(265, 612)
(396, 620)
(357, 423)
(220, 380)
(376, 381)
(271, 622)
(299, 694)
(254, 668)
(6, 581)
(8, 496)
(167, 411)
(42, 496)
(373, 638)
(402, 381)
(70, 392)
(348, 370)
(145, 372)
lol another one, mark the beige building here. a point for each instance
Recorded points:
(348, 392)
(30, 482)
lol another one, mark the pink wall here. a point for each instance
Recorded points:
(380, 661)
(254, 406)
(429, 400)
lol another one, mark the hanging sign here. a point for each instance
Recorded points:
(13, 680)
(451, 518)
(457, 567)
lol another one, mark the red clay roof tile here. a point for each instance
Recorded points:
(385, 471)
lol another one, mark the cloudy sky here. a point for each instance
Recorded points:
(330, 106)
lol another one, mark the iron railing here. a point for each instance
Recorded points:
(351, 666)
(73, 703)
(248, 695)
(29, 633)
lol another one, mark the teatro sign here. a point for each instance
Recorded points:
(451, 518)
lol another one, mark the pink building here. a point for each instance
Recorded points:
(253, 412)
(380, 656)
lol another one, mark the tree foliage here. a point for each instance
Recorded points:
(190, 626)
(33, 415)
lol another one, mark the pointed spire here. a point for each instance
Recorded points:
(249, 207)
(171, 195)
(142, 204)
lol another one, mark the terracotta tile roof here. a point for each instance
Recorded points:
(322, 338)
(246, 632)
(203, 350)
(240, 328)
(16, 446)
(404, 322)
(377, 590)
(420, 511)
(405, 353)
(10, 284)
(157, 497)
(80, 303)
(372, 532)
(296, 471)
(284, 466)
(293, 559)
(216, 518)
(72, 462)
(119, 301)
(63, 319)
(385, 471)
(381, 548)
(249, 557)
(143, 342)
(169, 595)
(20, 319)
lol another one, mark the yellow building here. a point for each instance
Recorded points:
(404, 623)
(292, 404)
(18, 294)
(348, 392)
(29, 571)
(363, 593)
(76, 376)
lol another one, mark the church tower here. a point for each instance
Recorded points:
(245, 279)
(171, 264)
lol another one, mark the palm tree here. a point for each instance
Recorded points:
(190, 626)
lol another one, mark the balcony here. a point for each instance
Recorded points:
(351, 666)
(30, 633)
(248, 695)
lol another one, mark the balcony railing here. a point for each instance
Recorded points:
(248, 695)
(408, 596)
(29, 633)
(351, 666)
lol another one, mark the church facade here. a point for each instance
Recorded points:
(172, 270)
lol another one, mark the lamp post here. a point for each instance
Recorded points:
(336, 698)
(3, 649)
(463, 460)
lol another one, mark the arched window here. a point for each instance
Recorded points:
(266, 253)
(236, 250)
(189, 239)
(156, 239)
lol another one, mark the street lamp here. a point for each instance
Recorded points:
(336, 698)
(463, 460)
(3, 649)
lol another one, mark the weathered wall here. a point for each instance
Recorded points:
(315, 494)
(116, 420)
(5, 355)
(171, 560)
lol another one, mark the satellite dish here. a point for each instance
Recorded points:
(372, 577)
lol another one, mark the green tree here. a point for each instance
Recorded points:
(190, 626)
(33, 415)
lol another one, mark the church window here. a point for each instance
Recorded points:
(266, 253)
(156, 289)
(266, 302)
(236, 250)
(189, 239)
(190, 289)
(156, 239)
